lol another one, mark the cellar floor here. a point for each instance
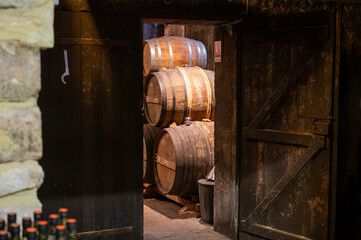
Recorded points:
(161, 221)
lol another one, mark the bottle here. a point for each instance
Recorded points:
(31, 233)
(63, 216)
(26, 225)
(60, 232)
(11, 219)
(43, 230)
(3, 235)
(71, 229)
(53, 222)
(2, 224)
(38, 216)
(15, 231)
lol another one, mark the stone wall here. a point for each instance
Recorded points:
(25, 27)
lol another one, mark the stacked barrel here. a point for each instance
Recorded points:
(176, 88)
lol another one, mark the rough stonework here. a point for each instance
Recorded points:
(19, 176)
(32, 25)
(20, 71)
(24, 203)
(20, 131)
(15, 3)
(279, 7)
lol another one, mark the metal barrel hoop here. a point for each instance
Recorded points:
(170, 52)
(159, 54)
(190, 52)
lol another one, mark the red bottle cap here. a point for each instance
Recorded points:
(31, 229)
(27, 218)
(60, 227)
(12, 213)
(43, 222)
(14, 225)
(38, 212)
(63, 210)
(3, 232)
(2, 220)
(53, 216)
(71, 220)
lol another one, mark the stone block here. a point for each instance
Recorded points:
(31, 24)
(20, 131)
(19, 176)
(20, 71)
(24, 203)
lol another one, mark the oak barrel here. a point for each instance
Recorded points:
(183, 155)
(174, 94)
(169, 52)
(149, 136)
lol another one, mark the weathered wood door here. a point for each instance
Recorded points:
(92, 126)
(286, 112)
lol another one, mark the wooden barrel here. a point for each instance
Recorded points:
(183, 155)
(149, 136)
(169, 52)
(174, 94)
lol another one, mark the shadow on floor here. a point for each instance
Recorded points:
(163, 206)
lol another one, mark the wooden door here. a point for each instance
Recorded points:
(92, 126)
(286, 112)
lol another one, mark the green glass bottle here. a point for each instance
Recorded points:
(71, 229)
(2, 224)
(60, 232)
(53, 222)
(15, 231)
(26, 225)
(38, 216)
(31, 233)
(63, 216)
(3, 235)
(43, 230)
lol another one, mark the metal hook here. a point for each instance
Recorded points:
(66, 73)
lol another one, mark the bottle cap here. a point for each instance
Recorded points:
(3, 235)
(63, 210)
(71, 224)
(30, 230)
(43, 226)
(26, 222)
(60, 227)
(31, 233)
(15, 229)
(53, 219)
(38, 214)
(11, 217)
(60, 230)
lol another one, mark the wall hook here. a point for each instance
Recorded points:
(66, 73)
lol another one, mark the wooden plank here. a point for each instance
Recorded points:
(286, 180)
(270, 233)
(268, 135)
(285, 83)
(91, 41)
(105, 232)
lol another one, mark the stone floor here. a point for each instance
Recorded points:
(161, 221)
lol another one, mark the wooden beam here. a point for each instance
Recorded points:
(267, 135)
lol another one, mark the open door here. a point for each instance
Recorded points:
(286, 112)
(92, 125)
